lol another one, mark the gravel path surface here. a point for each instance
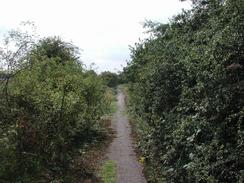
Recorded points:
(121, 149)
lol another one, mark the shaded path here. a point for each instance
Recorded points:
(121, 149)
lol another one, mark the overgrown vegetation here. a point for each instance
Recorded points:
(110, 79)
(50, 110)
(186, 92)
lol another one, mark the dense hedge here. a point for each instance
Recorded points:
(50, 110)
(186, 86)
(110, 79)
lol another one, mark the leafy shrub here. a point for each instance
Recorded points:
(186, 92)
(50, 112)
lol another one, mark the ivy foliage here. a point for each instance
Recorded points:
(186, 86)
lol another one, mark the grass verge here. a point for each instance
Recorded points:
(93, 158)
(113, 107)
(109, 172)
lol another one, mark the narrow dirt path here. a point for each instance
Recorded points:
(121, 149)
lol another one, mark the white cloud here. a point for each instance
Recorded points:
(102, 28)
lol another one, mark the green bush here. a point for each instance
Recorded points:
(110, 79)
(50, 112)
(186, 92)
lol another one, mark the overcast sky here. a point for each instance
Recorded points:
(103, 29)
